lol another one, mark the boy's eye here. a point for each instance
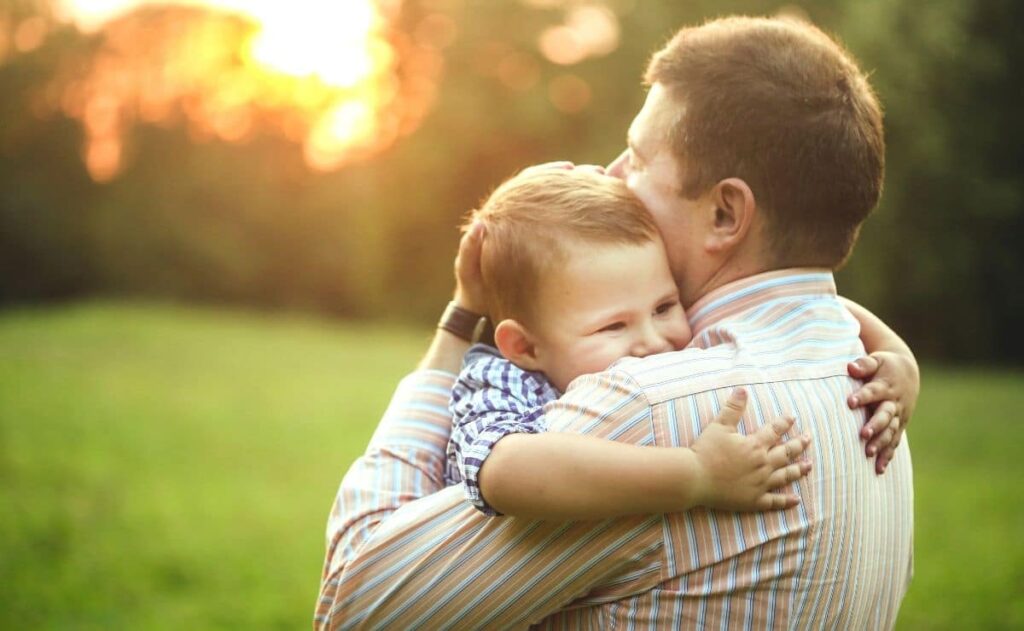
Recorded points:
(665, 307)
(615, 326)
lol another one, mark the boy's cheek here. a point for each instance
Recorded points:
(681, 336)
(597, 358)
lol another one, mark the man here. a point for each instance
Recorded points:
(759, 152)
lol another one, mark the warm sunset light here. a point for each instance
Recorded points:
(321, 73)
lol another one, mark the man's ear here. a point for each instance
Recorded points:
(734, 211)
(516, 344)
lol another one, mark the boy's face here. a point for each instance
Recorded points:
(606, 302)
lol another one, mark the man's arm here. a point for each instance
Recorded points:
(405, 553)
(446, 350)
(425, 559)
(444, 353)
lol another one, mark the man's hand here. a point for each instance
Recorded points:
(563, 165)
(890, 394)
(469, 281)
(743, 473)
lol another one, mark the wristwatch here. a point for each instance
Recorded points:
(462, 323)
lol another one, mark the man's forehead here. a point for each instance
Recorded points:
(649, 129)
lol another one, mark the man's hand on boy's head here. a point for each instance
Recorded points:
(560, 165)
(469, 281)
(563, 165)
(893, 383)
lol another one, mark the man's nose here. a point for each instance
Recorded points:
(618, 166)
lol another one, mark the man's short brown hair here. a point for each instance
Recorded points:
(781, 105)
(534, 217)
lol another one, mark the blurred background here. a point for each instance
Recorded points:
(227, 228)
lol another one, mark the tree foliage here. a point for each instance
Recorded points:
(249, 223)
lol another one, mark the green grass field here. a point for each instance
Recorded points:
(164, 468)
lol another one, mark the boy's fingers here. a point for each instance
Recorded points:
(781, 455)
(733, 409)
(885, 413)
(884, 459)
(881, 419)
(877, 390)
(777, 501)
(771, 433)
(863, 367)
(789, 474)
(884, 439)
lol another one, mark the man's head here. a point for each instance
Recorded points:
(576, 275)
(760, 147)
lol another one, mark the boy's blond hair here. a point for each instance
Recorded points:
(533, 218)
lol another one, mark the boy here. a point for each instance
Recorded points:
(575, 278)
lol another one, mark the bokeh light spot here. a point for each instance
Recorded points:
(569, 93)
(589, 31)
(325, 75)
(30, 33)
(519, 71)
(561, 45)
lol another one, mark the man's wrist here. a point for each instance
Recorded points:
(445, 353)
(461, 322)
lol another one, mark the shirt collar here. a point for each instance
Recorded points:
(741, 295)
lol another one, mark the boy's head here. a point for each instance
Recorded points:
(576, 274)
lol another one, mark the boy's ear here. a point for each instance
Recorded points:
(516, 344)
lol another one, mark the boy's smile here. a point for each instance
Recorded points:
(605, 303)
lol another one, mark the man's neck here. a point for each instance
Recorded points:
(731, 272)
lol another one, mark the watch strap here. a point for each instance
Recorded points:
(461, 323)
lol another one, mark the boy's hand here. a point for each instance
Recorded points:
(890, 394)
(469, 281)
(743, 472)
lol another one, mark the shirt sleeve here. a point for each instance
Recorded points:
(437, 562)
(491, 399)
(404, 461)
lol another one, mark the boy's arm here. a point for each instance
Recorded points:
(572, 477)
(893, 383)
(491, 399)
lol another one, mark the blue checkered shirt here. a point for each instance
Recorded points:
(492, 398)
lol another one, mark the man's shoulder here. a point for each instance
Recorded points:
(777, 343)
(682, 373)
(632, 385)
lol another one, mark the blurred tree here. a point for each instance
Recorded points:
(942, 257)
(43, 184)
(246, 221)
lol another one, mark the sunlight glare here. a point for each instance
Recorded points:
(328, 68)
(336, 47)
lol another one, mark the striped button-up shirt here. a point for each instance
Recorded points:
(404, 553)
(491, 399)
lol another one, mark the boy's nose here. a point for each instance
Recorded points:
(650, 343)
